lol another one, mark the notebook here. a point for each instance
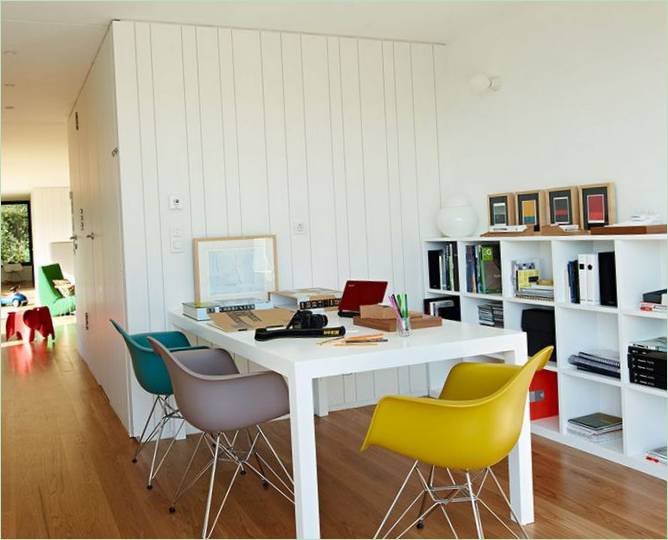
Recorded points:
(360, 293)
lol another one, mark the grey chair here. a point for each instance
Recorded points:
(216, 404)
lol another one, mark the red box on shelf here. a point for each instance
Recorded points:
(543, 395)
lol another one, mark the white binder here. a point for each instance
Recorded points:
(582, 278)
(593, 286)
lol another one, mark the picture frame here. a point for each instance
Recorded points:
(235, 267)
(530, 208)
(597, 205)
(501, 209)
(562, 206)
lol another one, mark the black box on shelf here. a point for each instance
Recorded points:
(539, 326)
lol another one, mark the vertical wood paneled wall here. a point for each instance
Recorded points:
(259, 130)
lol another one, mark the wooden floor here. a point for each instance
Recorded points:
(67, 472)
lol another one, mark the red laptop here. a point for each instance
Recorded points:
(360, 293)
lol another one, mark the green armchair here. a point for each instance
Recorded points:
(50, 296)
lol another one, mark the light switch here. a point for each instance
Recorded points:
(176, 240)
(175, 202)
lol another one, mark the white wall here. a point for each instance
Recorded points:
(33, 155)
(583, 100)
(257, 131)
(51, 222)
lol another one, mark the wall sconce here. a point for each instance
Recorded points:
(482, 83)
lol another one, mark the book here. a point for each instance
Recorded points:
(573, 281)
(201, 311)
(313, 298)
(596, 421)
(658, 455)
(655, 344)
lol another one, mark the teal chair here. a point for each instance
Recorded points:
(153, 377)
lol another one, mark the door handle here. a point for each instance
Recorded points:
(74, 237)
(91, 236)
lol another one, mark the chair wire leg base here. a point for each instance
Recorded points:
(141, 440)
(433, 497)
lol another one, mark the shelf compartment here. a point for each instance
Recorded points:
(644, 422)
(579, 396)
(582, 330)
(641, 267)
(568, 251)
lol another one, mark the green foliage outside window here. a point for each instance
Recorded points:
(15, 233)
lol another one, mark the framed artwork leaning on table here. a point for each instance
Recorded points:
(563, 206)
(501, 209)
(597, 202)
(530, 209)
(238, 267)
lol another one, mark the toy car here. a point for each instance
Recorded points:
(15, 299)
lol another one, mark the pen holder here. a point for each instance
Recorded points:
(404, 326)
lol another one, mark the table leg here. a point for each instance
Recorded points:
(304, 466)
(520, 470)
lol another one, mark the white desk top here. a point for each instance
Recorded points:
(452, 339)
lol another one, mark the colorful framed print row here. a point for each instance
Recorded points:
(591, 205)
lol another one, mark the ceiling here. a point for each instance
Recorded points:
(55, 42)
(48, 47)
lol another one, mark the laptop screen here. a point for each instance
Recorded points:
(361, 293)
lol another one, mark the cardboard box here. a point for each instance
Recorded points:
(238, 321)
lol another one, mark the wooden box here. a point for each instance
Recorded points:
(390, 325)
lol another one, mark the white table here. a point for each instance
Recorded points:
(302, 361)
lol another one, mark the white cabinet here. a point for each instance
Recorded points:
(640, 267)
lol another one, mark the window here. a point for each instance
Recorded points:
(16, 233)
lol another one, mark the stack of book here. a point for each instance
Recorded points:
(201, 311)
(527, 282)
(647, 362)
(651, 306)
(491, 314)
(657, 455)
(655, 301)
(442, 264)
(601, 361)
(540, 291)
(598, 427)
(483, 269)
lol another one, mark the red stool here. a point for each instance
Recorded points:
(24, 324)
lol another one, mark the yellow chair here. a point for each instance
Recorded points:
(473, 425)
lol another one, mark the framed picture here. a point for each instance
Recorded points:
(563, 206)
(230, 268)
(501, 209)
(597, 203)
(530, 206)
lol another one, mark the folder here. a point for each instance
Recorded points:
(593, 279)
(582, 279)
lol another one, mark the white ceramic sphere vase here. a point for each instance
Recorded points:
(457, 218)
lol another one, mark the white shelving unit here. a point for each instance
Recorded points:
(640, 266)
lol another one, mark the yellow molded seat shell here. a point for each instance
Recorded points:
(474, 424)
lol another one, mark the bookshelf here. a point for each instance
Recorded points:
(640, 267)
